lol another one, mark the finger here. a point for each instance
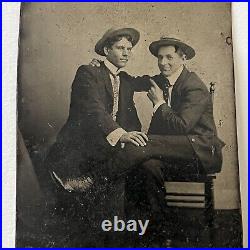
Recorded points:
(134, 142)
(144, 135)
(135, 138)
(141, 139)
(97, 63)
(150, 97)
(153, 83)
(151, 92)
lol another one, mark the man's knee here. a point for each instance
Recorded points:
(153, 167)
(132, 152)
(152, 164)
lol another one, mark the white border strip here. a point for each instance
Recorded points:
(10, 27)
(240, 50)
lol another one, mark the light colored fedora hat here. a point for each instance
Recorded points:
(169, 41)
(133, 33)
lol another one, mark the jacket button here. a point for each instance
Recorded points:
(193, 140)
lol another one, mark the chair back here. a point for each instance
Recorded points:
(212, 90)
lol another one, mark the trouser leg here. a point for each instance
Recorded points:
(148, 188)
(145, 192)
(165, 148)
(154, 187)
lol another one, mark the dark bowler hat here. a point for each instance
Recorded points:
(133, 33)
(168, 41)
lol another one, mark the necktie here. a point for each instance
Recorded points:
(115, 85)
(166, 86)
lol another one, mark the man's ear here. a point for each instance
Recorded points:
(184, 57)
(106, 51)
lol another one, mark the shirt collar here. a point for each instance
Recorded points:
(173, 78)
(111, 67)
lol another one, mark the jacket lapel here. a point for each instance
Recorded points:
(123, 93)
(106, 79)
(178, 83)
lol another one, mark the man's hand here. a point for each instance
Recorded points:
(95, 62)
(155, 94)
(134, 137)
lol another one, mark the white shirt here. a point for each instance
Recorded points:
(115, 81)
(112, 68)
(172, 80)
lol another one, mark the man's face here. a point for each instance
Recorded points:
(119, 53)
(169, 61)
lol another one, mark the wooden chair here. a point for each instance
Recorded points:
(204, 199)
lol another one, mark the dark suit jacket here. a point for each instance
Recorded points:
(191, 114)
(82, 140)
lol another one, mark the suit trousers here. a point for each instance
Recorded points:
(166, 148)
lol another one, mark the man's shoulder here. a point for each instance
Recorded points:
(129, 77)
(124, 74)
(194, 81)
(88, 69)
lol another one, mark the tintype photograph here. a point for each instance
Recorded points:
(126, 126)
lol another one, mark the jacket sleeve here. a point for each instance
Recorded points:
(86, 101)
(142, 83)
(194, 101)
(139, 83)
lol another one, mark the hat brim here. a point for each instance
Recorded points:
(133, 33)
(188, 50)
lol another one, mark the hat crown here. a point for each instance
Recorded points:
(113, 30)
(170, 41)
(116, 31)
(169, 38)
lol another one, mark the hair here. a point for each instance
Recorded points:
(110, 42)
(179, 51)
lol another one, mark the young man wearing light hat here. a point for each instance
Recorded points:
(102, 112)
(102, 117)
(182, 106)
(182, 129)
